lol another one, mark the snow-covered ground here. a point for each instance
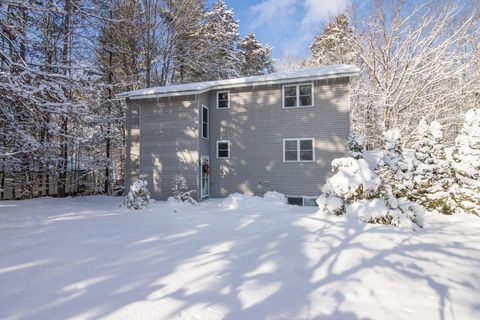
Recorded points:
(86, 258)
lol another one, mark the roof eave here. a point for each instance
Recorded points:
(236, 85)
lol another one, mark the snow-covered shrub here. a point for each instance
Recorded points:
(237, 200)
(466, 163)
(357, 190)
(181, 192)
(392, 167)
(352, 179)
(432, 174)
(138, 196)
(275, 197)
(356, 144)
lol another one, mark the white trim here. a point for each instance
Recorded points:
(235, 85)
(208, 122)
(208, 176)
(297, 85)
(223, 141)
(298, 149)
(228, 98)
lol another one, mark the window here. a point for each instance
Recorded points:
(223, 149)
(223, 99)
(298, 150)
(204, 122)
(300, 95)
(302, 201)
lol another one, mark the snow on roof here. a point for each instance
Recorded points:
(332, 71)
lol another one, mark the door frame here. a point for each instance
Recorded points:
(202, 158)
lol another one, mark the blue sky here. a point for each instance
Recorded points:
(287, 25)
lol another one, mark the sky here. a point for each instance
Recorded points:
(289, 26)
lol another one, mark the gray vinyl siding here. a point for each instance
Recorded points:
(169, 142)
(256, 125)
(132, 143)
(163, 139)
(203, 144)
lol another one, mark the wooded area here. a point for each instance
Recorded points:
(63, 62)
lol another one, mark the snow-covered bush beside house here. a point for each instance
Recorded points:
(356, 190)
(432, 174)
(356, 144)
(392, 166)
(466, 163)
(181, 192)
(138, 197)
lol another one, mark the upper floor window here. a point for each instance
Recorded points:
(223, 99)
(298, 150)
(299, 95)
(204, 122)
(223, 149)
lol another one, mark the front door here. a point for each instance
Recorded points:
(205, 176)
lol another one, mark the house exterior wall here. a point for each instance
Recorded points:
(164, 139)
(132, 142)
(256, 125)
(168, 129)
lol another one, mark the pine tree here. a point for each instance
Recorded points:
(432, 176)
(138, 197)
(393, 168)
(181, 192)
(221, 39)
(466, 163)
(254, 58)
(356, 144)
(334, 44)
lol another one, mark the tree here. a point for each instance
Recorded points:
(356, 144)
(432, 176)
(221, 37)
(334, 44)
(138, 197)
(466, 163)
(254, 58)
(393, 168)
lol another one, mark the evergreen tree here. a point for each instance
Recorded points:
(432, 176)
(356, 144)
(466, 163)
(221, 38)
(393, 168)
(334, 44)
(138, 197)
(255, 58)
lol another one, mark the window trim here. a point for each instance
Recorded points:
(228, 98)
(229, 148)
(208, 122)
(298, 149)
(297, 105)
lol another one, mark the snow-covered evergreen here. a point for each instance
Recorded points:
(466, 163)
(254, 58)
(138, 197)
(432, 174)
(181, 192)
(392, 167)
(356, 144)
(356, 190)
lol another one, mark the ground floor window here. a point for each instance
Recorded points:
(298, 150)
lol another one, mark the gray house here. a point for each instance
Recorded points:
(276, 132)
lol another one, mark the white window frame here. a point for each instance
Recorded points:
(208, 122)
(297, 105)
(298, 149)
(228, 98)
(228, 143)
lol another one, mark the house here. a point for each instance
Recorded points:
(275, 132)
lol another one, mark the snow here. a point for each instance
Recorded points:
(330, 71)
(88, 258)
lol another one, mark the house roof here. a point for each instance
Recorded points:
(327, 72)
